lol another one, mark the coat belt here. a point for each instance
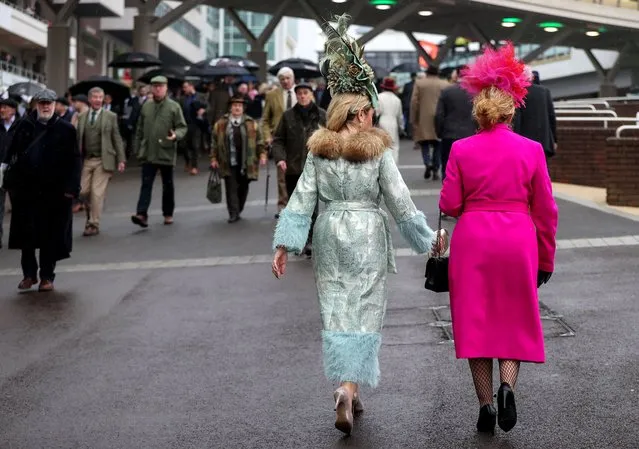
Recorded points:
(368, 206)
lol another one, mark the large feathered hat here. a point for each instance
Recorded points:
(343, 64)
(501, 69)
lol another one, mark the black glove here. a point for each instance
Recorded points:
(543, 277)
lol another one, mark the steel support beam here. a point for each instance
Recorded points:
(448, 45)
(66, 11)
(169, 18)
(390, 22)
(520, 29)
(276, 18)
(312, 12)
(556, 39)
(420, 49)
(241, 26)
(595, 63)
(614, 70)
(479, 34)
(356, 9)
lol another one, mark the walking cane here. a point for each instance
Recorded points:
(268, 181)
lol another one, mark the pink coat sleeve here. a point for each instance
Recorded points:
(451, 201)
(543, 210)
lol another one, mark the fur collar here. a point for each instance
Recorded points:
(360, 147)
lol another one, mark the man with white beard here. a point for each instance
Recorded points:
(43, 165)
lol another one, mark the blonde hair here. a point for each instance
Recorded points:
(493, 106)
(344, 108)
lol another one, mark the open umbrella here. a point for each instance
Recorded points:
(303, 68)
(407, 67)
(115, 88)
(249, 65)
(26, 89)
(217, 67)
(135, 60)
(174, 76)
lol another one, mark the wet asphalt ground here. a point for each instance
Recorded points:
(180, 337)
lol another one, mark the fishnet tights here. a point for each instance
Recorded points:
(482, 371)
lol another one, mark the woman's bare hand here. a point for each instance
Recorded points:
(279, 262)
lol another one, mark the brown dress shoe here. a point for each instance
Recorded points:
(45, 286)
(27, 283)
(140, 221)
(90, 231)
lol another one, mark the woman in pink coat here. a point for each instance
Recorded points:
(503, 246)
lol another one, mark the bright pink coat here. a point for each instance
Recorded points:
(497, 183)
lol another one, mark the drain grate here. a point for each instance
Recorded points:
(547, 314)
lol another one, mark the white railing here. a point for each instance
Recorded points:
(21, 71)
(605, 120)
(575, 106)
(599, 101)
(625, 128)
(587, 111)
(27, 11)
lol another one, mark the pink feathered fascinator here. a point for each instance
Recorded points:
(501, 69)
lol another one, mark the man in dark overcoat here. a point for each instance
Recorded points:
(9, 120)
(536, 120)
(42, 178)
(291, 136)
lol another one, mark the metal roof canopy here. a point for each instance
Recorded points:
(474, 19)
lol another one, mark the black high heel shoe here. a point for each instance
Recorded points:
(506, 409)
(487, 419)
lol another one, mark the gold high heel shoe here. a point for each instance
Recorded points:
(344, 409)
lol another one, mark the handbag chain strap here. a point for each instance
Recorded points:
(439, 223)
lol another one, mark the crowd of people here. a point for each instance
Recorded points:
(495, 183)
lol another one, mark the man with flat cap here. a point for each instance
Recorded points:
(42, 178)
(237, 150)
(63, 109)
(9, 117)
(160, 126)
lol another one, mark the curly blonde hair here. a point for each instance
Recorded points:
(493, 106)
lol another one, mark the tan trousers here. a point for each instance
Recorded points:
(282, 194)
(93, 184)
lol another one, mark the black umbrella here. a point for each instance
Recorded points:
(115, 88)
(217, 67)
(303, 68)
(407, 67)
(249, 65)
(135, 60)
(27, 89)
(174, 76)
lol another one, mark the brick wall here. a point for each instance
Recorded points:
(626, 109)
(581, 156)
(622, 171)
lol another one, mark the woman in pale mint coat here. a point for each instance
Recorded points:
(350, 168)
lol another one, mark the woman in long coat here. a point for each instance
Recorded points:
(503, 247)
(391, 116)
(350, 168)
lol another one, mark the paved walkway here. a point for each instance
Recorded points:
(180, 337)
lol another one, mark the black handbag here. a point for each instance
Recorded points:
(214, 187)
(437, 270)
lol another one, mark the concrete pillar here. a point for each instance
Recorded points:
(259, 57)
(608, 89)
(57, 58)
(144, 40)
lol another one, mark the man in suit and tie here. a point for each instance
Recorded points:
(276, 103)
(103, 151)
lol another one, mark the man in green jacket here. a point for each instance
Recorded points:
(160, 126)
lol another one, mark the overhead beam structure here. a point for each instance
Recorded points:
(555, 40)
(480, 35)
(390, 22)
(420, 50)
(170, 17)
(257, 43)
(607, 77)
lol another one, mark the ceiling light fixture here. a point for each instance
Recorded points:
(425, 13)
(383, 4)
(551, 29)
(338, 1)
(508, 24)
(592, 33)
(383, 7)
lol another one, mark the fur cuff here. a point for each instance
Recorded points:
(359, 147)
(417, 233)
(291, 231)
(352, 356)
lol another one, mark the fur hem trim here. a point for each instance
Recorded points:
(352, 356)
(360, 147)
